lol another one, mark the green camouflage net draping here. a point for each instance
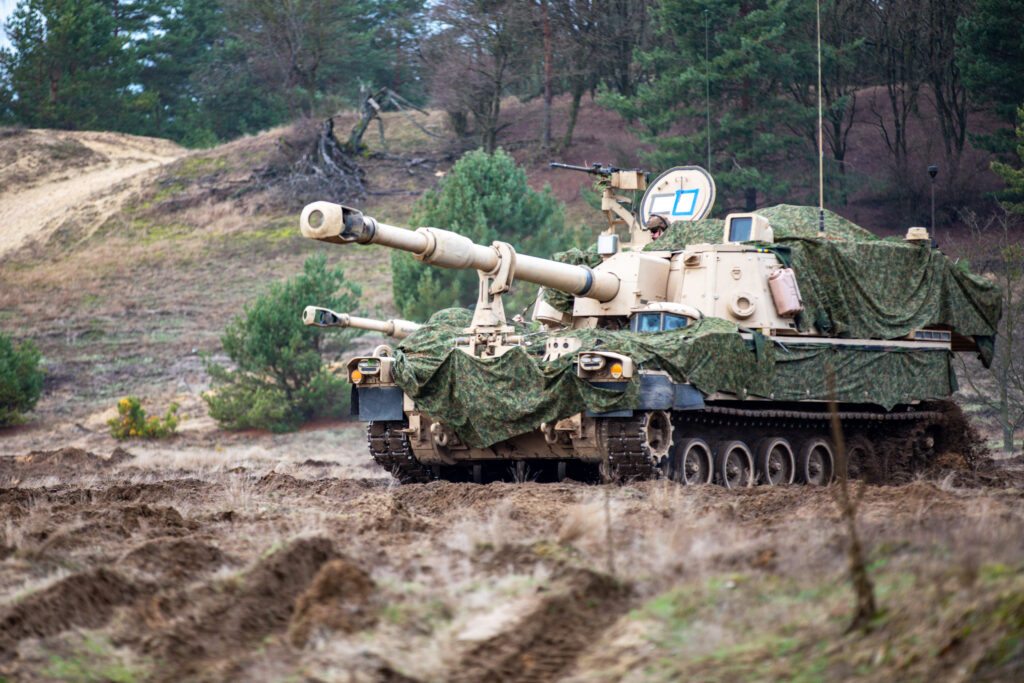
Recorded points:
(489, 400)
(886, 290)
(786, 220)
(862, 374)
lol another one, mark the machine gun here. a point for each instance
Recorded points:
(613, 178)
(594, 169)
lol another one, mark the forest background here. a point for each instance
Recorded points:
(729, 84)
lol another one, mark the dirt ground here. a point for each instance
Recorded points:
(262, 557)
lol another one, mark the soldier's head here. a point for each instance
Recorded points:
(657, 224)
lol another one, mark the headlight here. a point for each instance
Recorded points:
(591, 363)
(369, 367)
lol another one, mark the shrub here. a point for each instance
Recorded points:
(21, 379)
(279, 380)
(485, 198)
(132, 422)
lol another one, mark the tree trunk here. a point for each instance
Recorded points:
(545, 134)
(574, 110)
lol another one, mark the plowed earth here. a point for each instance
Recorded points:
(246, 564)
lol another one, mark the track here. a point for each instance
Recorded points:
(389, 446)
(881, 447)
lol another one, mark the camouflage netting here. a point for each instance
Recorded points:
(489, 400)
(885, 290)
(862, 375)
(787, 220)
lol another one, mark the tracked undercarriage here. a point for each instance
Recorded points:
(731, 446)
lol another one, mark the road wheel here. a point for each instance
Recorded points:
(816, 462)
(862, 461)
(690, 462)
(735, 465)
(775, 462)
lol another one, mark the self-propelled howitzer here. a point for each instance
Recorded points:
(701, 356)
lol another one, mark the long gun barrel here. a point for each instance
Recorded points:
(325, 317)
(339, 224)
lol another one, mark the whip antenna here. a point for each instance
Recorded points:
(821, 145)
(707, 87)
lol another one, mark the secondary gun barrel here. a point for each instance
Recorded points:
(325, 317)
(329, 222)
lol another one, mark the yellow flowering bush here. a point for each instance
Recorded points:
(132, 421)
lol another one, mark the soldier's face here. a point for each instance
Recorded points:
(656, 233)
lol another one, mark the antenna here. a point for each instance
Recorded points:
(821, 144)
(707, 87)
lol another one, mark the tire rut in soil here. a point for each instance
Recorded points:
(217, 625)
(546, 643)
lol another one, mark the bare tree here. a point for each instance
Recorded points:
(995, 245)
(942, 72)
(478, 57)
(287, 41)
(843, 51)
(893, 34)
(577, 28)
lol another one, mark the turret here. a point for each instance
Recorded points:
(324, 317)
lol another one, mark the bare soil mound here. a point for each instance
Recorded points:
(52, 177)
(177, 558)
(216, 624)
(85, 600)
(338, 599)
(64, 463)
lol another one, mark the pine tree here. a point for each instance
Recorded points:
(744, 73)
(485, 198)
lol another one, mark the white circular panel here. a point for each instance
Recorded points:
(683, 193)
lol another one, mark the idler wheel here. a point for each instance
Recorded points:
(776, 465)
(690, 462)
(735, 465)
(816, 462)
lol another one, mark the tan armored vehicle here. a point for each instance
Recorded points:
(710, 354)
